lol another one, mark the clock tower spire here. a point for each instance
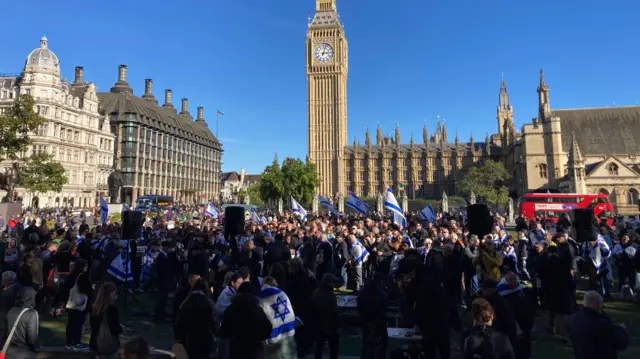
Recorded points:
(327, 67)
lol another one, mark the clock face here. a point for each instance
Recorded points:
(323, 52)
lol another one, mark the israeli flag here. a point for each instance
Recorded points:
(125, 208)
(279, 311)
(324, 201)
(297, 208)
(120, 267)
(391, 204)
(212, 211)
(147, 263)
(254, 216)
(104, 210)
(99, 244)
(356, 204)
(428, 214)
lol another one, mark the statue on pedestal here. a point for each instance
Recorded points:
(247, 199)
(114, 182)
(280, 206)
(340, 203)
(380, 204)
(405, 202)
(315, 205)
(445, 202)
(472, 198)
(511, 211)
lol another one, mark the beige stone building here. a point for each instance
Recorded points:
(587, 150)
(75, 133)
(577, 150)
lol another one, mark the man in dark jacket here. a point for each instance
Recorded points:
(372, 306)
(325, 316)
(24, 343)
(8, 297)
(482, 341)
(522, 301)
(278, 252)
(504, 320)
(593, 335)
(163, 275)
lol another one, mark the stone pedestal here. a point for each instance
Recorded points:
(341, 203)
(380, 204)
(114, 208)
(247, 199)
(315, 205)
(445, 203)
(280, 206)
(472, 198)
(405, 203)
(511, 215)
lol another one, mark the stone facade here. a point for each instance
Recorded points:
(75, 133)
(158, 150)
(233, 182)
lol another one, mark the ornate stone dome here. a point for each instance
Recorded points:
(42, 59)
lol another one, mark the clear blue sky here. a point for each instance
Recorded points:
(409, 60)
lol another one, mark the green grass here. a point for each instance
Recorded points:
(52, 332)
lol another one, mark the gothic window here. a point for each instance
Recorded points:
(612, 168)
(633, 197)
(542, 170)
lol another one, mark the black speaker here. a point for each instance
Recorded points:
(132, 224)
(480, 220)
(584, 224)
(233, 221)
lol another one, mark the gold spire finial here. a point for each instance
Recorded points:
(325, 5)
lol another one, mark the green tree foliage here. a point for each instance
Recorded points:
(295, 179)
(15, 125)
(41, 174)
(271, 184)
(254, 195)
(486, 181)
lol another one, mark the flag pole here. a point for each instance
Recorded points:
(217, 124)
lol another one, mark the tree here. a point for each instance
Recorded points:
(486, 181)
(271, 187)
(254, 195)
(16, 124)
(295, 179)
(299, 180)
(41, 174)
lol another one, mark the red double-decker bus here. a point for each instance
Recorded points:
(551, 205)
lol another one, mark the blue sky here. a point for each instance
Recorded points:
(409, 60)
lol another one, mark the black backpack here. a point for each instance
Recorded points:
(479, 344)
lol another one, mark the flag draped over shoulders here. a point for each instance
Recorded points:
(279, 311)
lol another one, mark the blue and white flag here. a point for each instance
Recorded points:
(428, 214)
(125, 208)
(391, 204)
(212, 211)
(99, 244)
(324, 201)
(147, 264)
(120, 267)
(279, 311)
(356, 204)
(104, 210)
(254, 216)
(297, 208)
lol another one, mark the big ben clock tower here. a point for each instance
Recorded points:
(327, 97)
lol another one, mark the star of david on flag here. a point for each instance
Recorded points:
(275, 306)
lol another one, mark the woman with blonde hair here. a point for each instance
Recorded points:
(105, 323)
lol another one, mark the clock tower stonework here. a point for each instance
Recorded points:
(327, 67)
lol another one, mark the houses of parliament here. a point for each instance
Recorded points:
(577, 150)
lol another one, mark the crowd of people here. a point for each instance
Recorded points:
(272, 291)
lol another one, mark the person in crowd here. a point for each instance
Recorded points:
(482, 340)
(373, 307)
(504, 320)
(557, 282)
(25, 274)
(358, 256)
(105, 317)
(8, 297)
(300, 285)
(325, 320)
(163, 282)
(593, 335)
(488, 262)
(521, 299)
(136, 348)
(11, 256)
(196, 322)
(281, 342)
(77, 316)
(227, 293)
(324, 254)
(245, 325)
(23, 344)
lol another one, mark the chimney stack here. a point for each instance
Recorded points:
(79, 77)
(185, 107)
(148, 87)
(122, 73)
(168, 95)
(122, 85)
(200, 113)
